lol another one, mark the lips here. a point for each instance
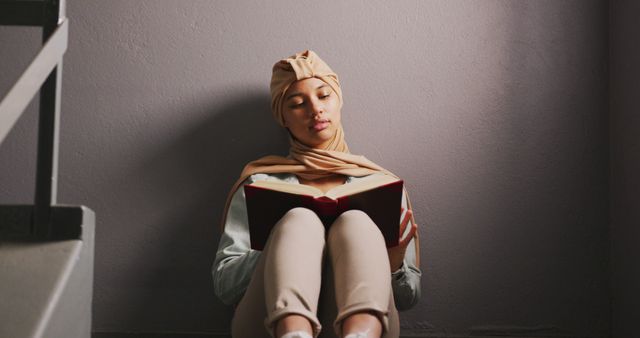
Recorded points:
(320, 125)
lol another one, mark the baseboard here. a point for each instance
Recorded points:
(104, 334)
(197, 335)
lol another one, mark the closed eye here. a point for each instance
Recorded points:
(295, 105)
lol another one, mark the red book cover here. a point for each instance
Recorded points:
(266, 206)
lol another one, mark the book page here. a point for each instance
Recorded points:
(298, 189)
(364, 184)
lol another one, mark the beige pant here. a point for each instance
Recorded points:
(347, 270)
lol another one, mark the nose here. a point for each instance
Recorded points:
(316, 108)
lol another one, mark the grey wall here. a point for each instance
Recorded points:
(625, 166)
(494, 112)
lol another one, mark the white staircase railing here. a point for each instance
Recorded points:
(43, 75)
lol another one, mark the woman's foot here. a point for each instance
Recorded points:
(293, 323)
(362, 325)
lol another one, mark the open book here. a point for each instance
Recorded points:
(379, 196)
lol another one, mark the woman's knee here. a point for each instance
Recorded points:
(303, 221)
(301, 212)
(354, 223)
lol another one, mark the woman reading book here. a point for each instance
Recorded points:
(310, 281)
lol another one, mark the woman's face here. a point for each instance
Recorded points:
(311, 111)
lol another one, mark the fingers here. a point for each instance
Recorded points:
(405, 221)
(405, 241)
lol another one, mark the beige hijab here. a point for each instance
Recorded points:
(308, 163)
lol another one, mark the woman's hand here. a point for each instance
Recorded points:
(396, 253)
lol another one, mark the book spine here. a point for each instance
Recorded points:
(325, 207)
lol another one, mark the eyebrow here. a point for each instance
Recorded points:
(296, 94)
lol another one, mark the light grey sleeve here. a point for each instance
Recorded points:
(235, 260)
(406, 280)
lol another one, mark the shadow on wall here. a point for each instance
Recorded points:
(185, 186)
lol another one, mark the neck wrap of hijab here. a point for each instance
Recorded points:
(304, 161)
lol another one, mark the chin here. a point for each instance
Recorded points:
(315, 140)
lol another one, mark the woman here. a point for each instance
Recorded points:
(306, 276)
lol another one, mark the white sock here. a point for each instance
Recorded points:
(357, 334)
(297, 334)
